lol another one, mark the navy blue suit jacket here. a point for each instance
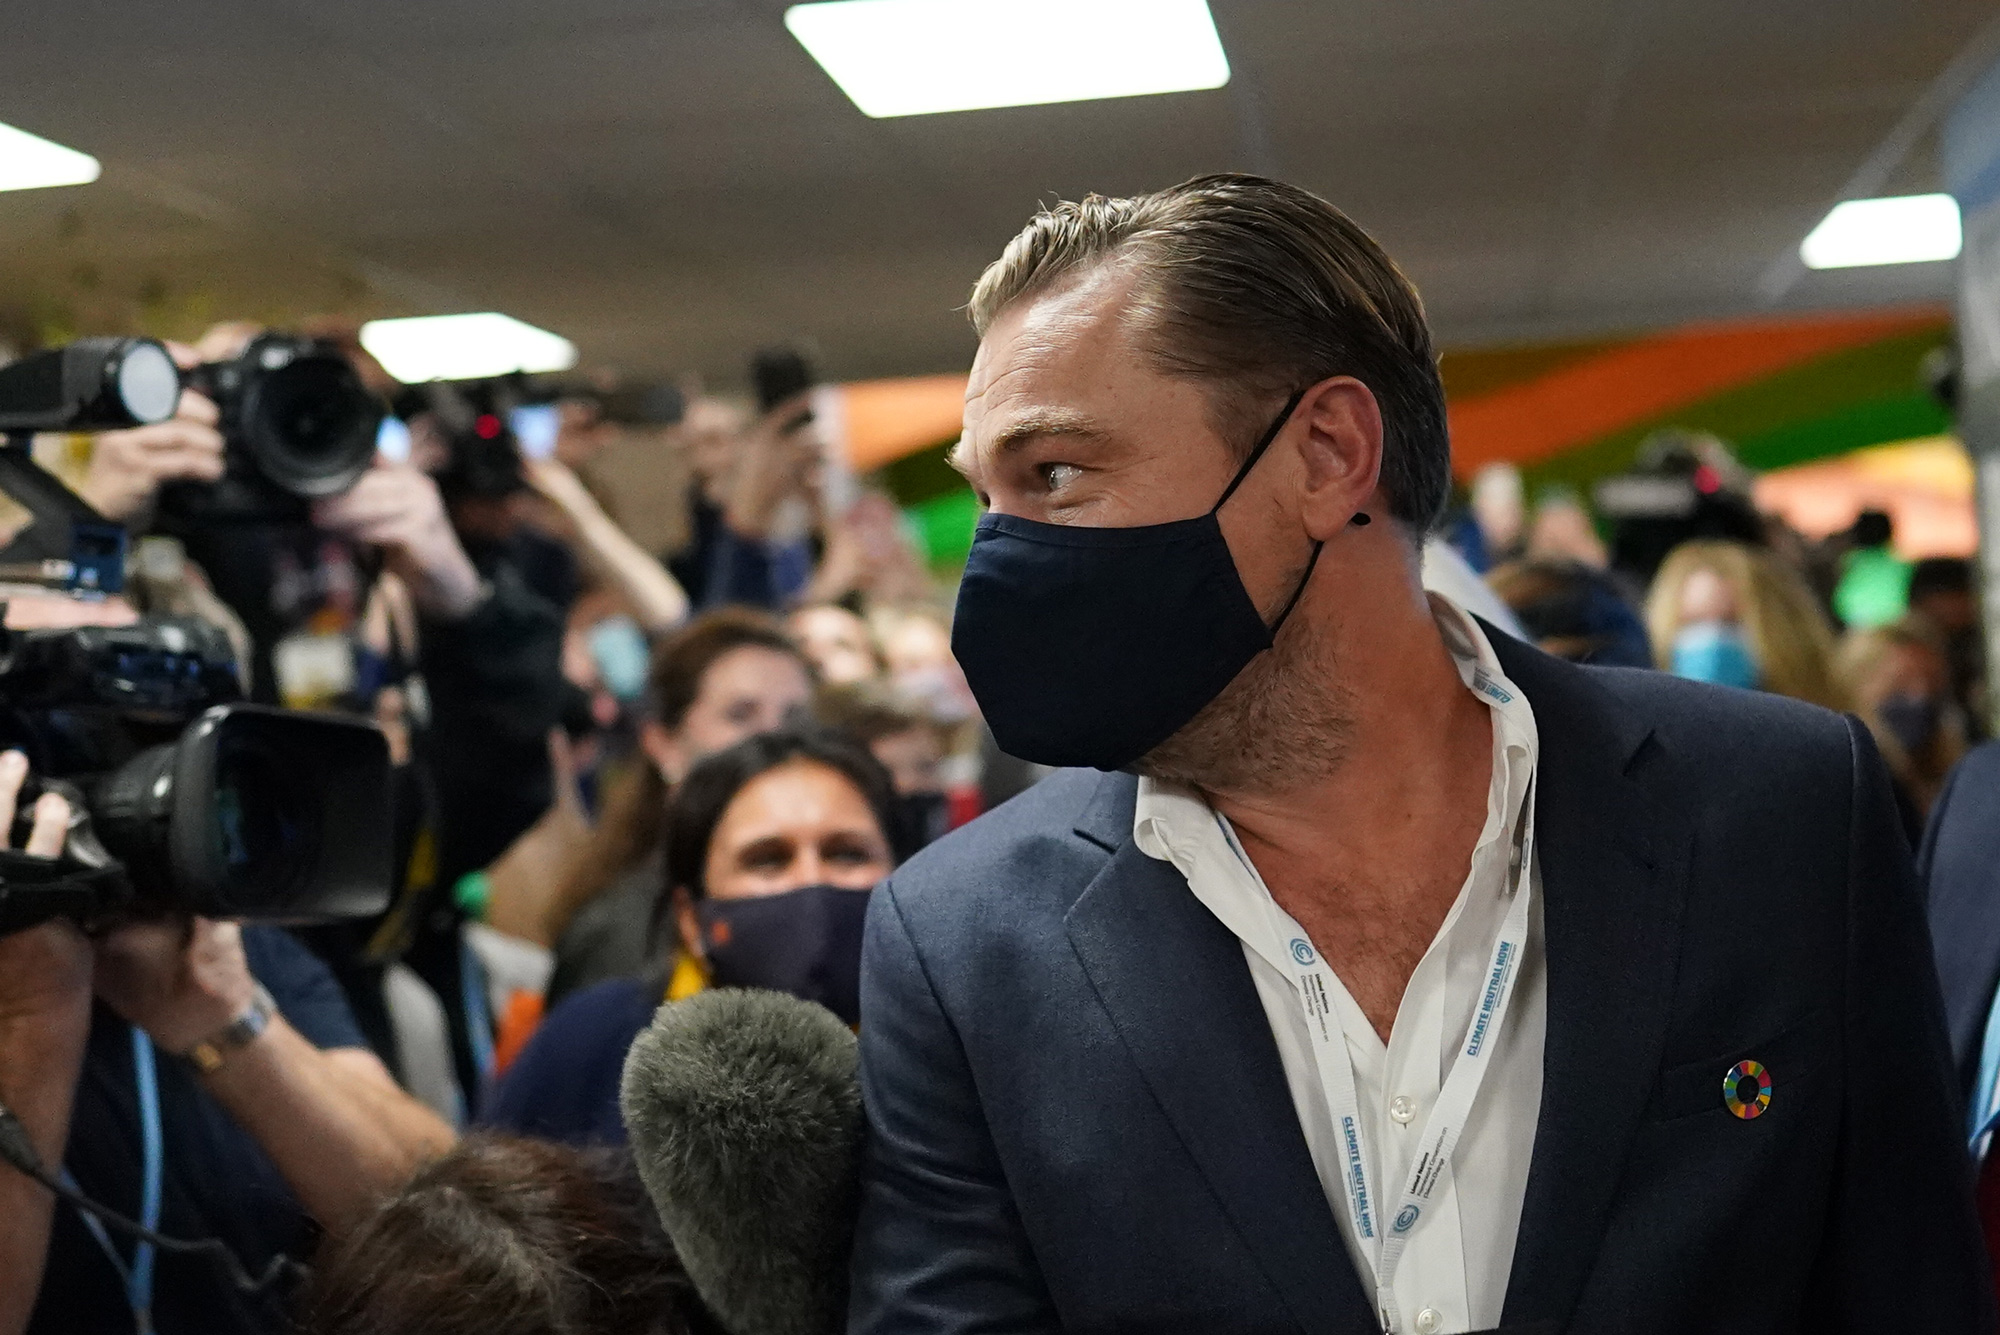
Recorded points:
(1078, 1120)
(1961, 868)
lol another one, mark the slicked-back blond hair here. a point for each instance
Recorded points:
(1259, 289)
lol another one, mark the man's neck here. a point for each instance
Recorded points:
(1369, 856)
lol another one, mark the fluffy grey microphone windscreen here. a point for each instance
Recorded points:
(745, 1116)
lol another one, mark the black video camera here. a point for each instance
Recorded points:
(183, 797)
(299, 425)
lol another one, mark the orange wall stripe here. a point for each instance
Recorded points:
(888, 419)
(1627, 385)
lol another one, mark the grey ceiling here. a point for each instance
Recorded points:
(672, 182)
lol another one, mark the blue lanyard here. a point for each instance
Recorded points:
(138, 1276)
(478, 1012)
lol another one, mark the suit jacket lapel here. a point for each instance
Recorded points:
(1178, 990)
(1613, 859)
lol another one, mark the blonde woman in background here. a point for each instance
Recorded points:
(1733, 614)
(1900, 677)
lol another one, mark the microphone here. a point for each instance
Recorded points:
(744, 1110)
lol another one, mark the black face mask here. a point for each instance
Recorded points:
(806, 942)
(1911, 719)
(1091, 646)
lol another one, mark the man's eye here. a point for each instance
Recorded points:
(1055, 475)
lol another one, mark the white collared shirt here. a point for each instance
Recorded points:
(1453, 1275)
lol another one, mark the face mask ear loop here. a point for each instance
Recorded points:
(1300, 591)
(1258, 453)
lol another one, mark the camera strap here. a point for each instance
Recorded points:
(138, 1276)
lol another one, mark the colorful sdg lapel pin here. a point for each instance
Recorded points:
(1746, 1090)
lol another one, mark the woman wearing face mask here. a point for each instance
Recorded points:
(1734, 615)
(772, 847)
(1901, 679)
(724, 676)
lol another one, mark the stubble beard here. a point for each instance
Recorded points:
(1285, 720)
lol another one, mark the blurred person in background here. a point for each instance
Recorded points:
(1899, 678)
(839, 642)
(1573, 610)
(504, 1236)
(1942, 592)
(1732, 614)
(1499, 508)
(1562, 530)
(751, 504)
(1873, 587)
(726, 675)
(912, 745)
(771, 849)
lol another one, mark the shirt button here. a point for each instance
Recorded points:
(1403, 1108)
(1429, 1321)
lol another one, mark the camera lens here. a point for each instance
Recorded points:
(312, 424)
(264, 824)
(149, 384)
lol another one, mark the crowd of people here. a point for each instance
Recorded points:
(624, 777)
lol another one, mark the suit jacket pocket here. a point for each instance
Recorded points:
(1789, 1056)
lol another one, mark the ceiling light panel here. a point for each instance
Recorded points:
(464, 347)
(30, 162)
(1904, 229)
(917, 57)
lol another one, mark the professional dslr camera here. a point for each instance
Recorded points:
(185, 798)
(299, 425)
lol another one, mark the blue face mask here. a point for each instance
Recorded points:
(1091, 646)
(1718, 652)
(619, 648)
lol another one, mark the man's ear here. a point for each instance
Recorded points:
(664, 749)
(1342, 453)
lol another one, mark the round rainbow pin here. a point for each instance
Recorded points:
(1746, 1089)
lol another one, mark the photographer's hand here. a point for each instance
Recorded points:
(334, 1122)
(127, 467)
(44, 1023)
(397, 508)
(775, 462)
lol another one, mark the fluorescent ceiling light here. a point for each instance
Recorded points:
(1904, 229)
(463, 347)
(29, 162)
(913, 57)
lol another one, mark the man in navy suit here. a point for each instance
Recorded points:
(1960, 863)
(1371, 970)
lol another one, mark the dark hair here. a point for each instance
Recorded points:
(1262, 289)
(635, 808)
(702, 798)
(509, 1237)
(673, 683)
(1940, 574)
(1573, 611)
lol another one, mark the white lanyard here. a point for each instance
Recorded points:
(1382, 1243)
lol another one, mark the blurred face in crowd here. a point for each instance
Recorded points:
(744, 692)
(710, 431)
(800, 824)
(914, 758)
(838, 643)
(1707, 597)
